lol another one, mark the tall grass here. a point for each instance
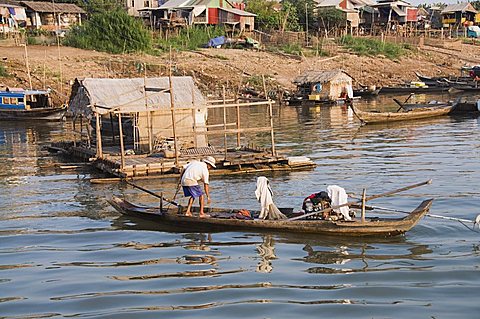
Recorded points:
(372, 47)
(189, 38)
(111, 31)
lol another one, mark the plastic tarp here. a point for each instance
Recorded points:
(216, 42)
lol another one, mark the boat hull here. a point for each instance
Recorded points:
(371, 227)
(414, 114)
(49, 114)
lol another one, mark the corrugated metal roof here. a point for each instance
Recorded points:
(318, 76)
(51, 7)
(128, 95)
(462, 7)
(175, 4)
(239, 12)
(328, 3)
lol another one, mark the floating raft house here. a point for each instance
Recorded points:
(141, 127)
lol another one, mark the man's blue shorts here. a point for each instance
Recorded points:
(192, 191)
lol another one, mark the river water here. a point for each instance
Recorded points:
(66, 253)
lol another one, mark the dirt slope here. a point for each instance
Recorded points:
(213, 68)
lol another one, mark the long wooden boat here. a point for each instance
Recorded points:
(19, 104)
(224, 220)
(414, 114)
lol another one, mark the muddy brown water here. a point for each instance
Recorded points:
(64, 252)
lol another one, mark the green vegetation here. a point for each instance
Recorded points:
(189, 38)
(3, 71)
(110, 31)
(372, 47)
(269, 18)
(292, 48)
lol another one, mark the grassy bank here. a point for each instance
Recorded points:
(372, 47)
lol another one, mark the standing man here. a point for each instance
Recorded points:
(193, 173)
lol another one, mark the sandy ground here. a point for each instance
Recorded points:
(55, 67)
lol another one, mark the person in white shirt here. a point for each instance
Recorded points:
(193, 173)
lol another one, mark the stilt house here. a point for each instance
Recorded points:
(147, 111)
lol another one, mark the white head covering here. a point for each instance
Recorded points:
(210, 160)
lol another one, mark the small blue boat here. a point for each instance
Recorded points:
(20, 104)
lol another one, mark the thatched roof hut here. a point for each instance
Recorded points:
(329, 85)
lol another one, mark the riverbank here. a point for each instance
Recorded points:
(57, 67)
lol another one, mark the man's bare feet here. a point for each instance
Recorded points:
(203, 215)
(189, 214)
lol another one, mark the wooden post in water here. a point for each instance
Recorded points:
(364, 196)
(99, 135)
(122, 148)
(270, 113)
(224, 123)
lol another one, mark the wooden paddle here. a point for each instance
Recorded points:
(366, 199)
(152, 193)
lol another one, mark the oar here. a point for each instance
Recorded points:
(399, 103)
(461, 220)
(406, 188)
(152, 193)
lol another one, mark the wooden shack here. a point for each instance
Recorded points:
(147, 104)
(145, 127)
(324, 86)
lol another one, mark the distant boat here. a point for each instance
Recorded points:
(366, 91)
(414, 89)
(20, 104)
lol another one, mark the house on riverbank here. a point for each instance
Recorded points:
(175, 13)
(53, 16)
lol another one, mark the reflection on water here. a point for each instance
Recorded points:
(64, 248)
(266, 251)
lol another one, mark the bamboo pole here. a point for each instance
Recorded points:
(149, 115)
(122, 148)
(99, 136)
(237, 108)
(363, 204)
(45, 71)
(172, 109)
(28, 67)
(224, 123)
(194, 119)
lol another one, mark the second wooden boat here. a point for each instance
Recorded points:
(414, 114)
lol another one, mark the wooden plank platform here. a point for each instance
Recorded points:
(243, 160)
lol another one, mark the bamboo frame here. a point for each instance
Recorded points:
(99, 136)
(122, 147)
